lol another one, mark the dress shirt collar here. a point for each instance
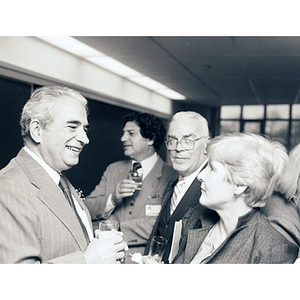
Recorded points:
(148, 163)
(52, 173)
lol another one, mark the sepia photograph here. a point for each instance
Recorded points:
(154, 147)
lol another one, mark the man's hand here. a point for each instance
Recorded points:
(124, 189)
(107, 251)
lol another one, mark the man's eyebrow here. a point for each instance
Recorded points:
(185, 136)
(78, 123)
(75, 122)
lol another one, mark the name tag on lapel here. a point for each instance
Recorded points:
(152, 210)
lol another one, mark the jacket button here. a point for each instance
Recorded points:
(130, 212)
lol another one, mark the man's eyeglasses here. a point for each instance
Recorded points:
(186, 143)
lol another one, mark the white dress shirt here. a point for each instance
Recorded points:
(188, 181)
(56, 178)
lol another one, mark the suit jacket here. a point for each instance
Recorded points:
(284, 216)
(253, 241)
(164, 225)
(37, 223)
(134, 213)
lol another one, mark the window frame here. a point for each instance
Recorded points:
(263, 121)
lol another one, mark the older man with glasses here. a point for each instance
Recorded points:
(186, 142)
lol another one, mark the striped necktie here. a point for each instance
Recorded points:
(176, 197)
(136, 166)
(66, 191)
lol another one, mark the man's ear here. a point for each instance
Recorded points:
(35, 130)
(150, 143)
(205, 146)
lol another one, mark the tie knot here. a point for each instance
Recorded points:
(180, 185)
(136, 166)
(181, 182)
(63, 183)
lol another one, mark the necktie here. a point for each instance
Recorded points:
(136, 166)
(177, 195)
(135, 176)
(64, 187)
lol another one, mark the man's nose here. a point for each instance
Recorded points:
(82, 137)
(123, 137)
(179, 147)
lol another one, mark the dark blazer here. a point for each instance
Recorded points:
(37, 224)
(136, 220)
(283, 216)
(254, 241)
(164, 224)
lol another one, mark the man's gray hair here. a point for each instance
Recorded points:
(41, 104)
(193, 115)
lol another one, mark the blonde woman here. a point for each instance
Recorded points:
(241, 174)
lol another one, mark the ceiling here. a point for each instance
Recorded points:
(213, 71)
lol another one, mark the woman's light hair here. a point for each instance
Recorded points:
(41, 106)
(250, 160)
(289, 183)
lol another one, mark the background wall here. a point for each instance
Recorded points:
(13, 96)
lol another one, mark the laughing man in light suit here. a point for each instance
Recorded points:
(116, 196)
(38, 224)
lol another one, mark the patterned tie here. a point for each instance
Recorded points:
(177, 195)
(64, 187)
(136, 166)
(133, 171)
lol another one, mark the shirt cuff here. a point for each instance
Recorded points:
(109, 204)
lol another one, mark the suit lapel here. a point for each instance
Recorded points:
(122, 173)
(52, 197)
(194, 241)
(190, 198)
(166, 203)
(80, 202)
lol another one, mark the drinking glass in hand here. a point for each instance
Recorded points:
(108, 228)
(157, 248)
(136, 177)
